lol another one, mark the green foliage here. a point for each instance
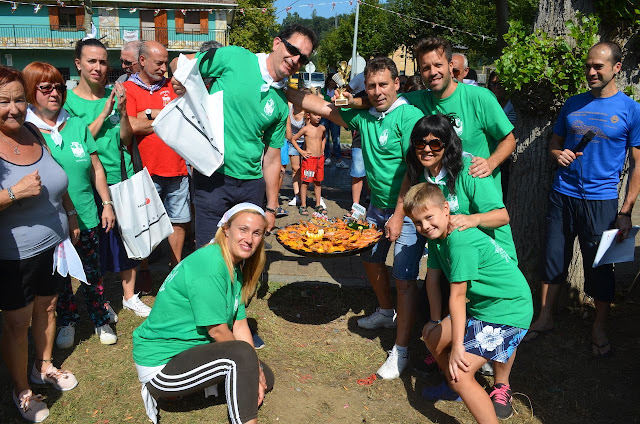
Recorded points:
(619, 13)
(254, 30)
(319, 24)
(546, 70)
(523, 11)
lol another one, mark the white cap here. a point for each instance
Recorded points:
(237, 208)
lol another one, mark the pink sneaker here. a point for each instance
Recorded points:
(59, 379)
(31, 406)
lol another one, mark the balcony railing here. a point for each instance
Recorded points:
(42, 36)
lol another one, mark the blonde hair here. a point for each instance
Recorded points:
(420, 195)
(251, 267)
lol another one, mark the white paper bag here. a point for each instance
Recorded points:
(142, 220)
(193, 124)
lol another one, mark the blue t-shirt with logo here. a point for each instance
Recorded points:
(616, 122)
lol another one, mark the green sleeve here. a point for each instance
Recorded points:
(482, 192)
(351, 118)
(92, 146)
(432, 260)
(410, 117)
(214, 66)
(241, 314)
(207, 296)
(463, 257)
(495, 121)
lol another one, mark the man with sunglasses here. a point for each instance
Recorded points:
(461, 69)
(385, 131)
(255, 116)
(129, 59)
(481, 124)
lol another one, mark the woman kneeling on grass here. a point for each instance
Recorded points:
(197, 333)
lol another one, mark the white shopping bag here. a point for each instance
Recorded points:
(142, 220)
(193, 124)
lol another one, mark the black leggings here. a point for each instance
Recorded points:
(235, 363)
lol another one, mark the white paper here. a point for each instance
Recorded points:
(610, 251)
(66, 261)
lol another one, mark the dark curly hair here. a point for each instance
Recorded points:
(440, 126)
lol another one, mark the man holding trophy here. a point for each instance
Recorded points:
(385, 130)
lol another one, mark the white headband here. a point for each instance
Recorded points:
(237, 208)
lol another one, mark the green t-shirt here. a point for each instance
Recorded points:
(252, 119)
(480, 121)
(476, 195)
(73, 155)
(496, 289)
(108, 139)
(385, 143)
(196, 294)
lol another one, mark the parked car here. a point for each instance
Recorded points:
(306, 79)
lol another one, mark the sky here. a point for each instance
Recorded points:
(323, 8)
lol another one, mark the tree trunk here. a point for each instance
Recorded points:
(502, 24)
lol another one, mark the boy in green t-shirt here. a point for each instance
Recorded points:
(490, 325)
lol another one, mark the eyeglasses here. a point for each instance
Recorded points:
(126, 62)
(293, 50)
(435, 144)
(47, 89)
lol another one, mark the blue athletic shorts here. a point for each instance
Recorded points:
(357, 163)
(407, 250)
(284, 154)
(176, 197)
(495, 342)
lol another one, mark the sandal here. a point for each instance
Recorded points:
(302, 210)
(320, 210)
(280, 212)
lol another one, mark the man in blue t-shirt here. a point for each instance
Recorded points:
(584, 199)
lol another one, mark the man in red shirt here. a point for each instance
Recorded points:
(148, 91)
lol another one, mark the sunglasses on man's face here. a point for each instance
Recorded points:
(293, 51)
(126, 62)
(47, 89)
(435, 144)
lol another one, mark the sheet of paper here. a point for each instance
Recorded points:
(610, 251)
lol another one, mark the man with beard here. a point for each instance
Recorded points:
(148, 92)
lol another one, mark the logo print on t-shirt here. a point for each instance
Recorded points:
(269, 107)
(614, 119)
(166, 99)
(383, 138)
(457, 125)
(453, 202)
(77, 150)
(115, 117)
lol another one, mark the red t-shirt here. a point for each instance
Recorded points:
(159, 158)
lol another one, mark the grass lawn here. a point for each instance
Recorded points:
(318, 353)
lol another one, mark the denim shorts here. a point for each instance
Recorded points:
(495, 342)
(407, 250)
(175, 195)
(292, 150)
(284, 154)
(357, 163)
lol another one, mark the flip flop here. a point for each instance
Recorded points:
(599, 348)
(535, 335)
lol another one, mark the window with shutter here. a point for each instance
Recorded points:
(80, 18)
(54, 21)
(179, 21)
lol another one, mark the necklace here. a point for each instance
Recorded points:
(15, 148)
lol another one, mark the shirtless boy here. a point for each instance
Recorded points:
(312, 168)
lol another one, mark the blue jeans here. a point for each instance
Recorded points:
(333, 137)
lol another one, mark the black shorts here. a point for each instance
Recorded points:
(568, 217)
(25, 279)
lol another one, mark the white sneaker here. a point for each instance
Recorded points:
(136, 305)
(106, 334)
(324, 205)
(341, 164)
(377, 320)
(327, 161)
(394, 365)
(31, 406)
(113, 317)
(295, 201)
(66, 336)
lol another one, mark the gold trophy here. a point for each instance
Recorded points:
(341, 77)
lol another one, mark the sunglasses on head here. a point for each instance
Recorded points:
(293, 50)
(47, 89)
(435, 144)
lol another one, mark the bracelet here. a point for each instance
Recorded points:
(268, 209)
(108, 202)
(435, 322)
(624, 214)
(11, 195)
(72, 212)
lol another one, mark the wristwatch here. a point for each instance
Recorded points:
(148, 113)
(72, 212)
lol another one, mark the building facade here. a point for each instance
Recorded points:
(48, 32)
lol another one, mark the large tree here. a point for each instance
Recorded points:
(254, 25)
(537, 103)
